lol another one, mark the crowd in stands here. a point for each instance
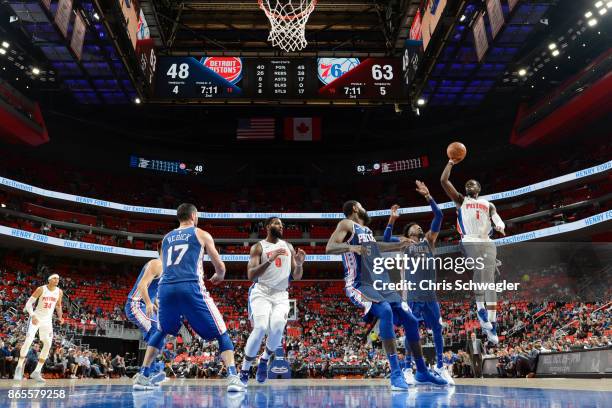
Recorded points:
(77, 225)
(327, 337)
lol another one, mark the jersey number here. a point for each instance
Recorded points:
(47, 305)
(182, 248)
(477, 214)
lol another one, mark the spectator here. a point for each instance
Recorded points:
(476, 351)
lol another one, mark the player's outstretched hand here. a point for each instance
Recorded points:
(61, 320)
(216, 279)
(394, 213)
(407, 241)
(300, 257)
(422, 188)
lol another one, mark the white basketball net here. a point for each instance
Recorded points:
(288, 20)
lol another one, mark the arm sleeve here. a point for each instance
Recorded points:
(498, 221)
(388, 236)
(29, 306)
(436, 223)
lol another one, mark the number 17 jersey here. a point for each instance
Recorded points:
(182, 257)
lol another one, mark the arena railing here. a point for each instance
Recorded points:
(574, 176)
(139, 253)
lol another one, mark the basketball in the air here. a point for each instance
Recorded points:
(456, 151)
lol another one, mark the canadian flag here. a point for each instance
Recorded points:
(303, 129)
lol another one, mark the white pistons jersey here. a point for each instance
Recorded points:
(46, 304)
(277, 273)
(474, 219)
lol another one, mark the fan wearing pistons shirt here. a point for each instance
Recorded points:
(474, 217)
(353, 240)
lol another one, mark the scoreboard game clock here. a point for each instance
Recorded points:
(207, 79)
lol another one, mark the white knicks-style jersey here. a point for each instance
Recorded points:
(277, 274)
(46, 304)
(474, 219)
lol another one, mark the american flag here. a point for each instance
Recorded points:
(256, 129)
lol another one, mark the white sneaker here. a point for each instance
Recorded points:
(484, 324)
(37, 376)
(142, 383)
(492, 337)
(18, 374)
(73, 377)
(234, 384)
(443, 372)
(409, 376)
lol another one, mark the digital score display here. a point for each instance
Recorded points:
(374, 169)
(189, 78)
(166, 166)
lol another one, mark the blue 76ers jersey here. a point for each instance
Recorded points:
(352, 261)
(182, 257)
(135, 294)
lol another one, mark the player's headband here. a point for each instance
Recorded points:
(55, 275)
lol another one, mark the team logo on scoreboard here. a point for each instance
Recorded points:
(230, 68)
(330, 69)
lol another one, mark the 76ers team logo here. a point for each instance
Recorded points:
(330, 69)
(230, 68)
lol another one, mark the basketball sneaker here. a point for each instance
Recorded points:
(158, 378)
(428, 377)
(244, 377)
(37, 376)
(398, 383)
(483, 318)
(408, 376)
(492, 334)
(262, 371)
(234, 384)
(142, 383)
(443, 372)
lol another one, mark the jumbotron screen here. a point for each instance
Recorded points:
(205, 78)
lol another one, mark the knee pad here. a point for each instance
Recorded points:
(157, 339)
(225, 343)
(277, 323)
(260, 326)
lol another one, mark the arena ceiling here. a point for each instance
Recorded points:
(359, 27)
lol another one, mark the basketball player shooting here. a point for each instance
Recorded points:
(474, 216)
(141, 310)
(353, 240)
(49, 298)
(273, 262)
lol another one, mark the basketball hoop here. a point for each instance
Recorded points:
(288, 22)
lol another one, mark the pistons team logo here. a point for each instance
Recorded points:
(230, 68)
(330, 69)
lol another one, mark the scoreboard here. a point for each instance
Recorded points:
(279, 79)
(166, 165)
